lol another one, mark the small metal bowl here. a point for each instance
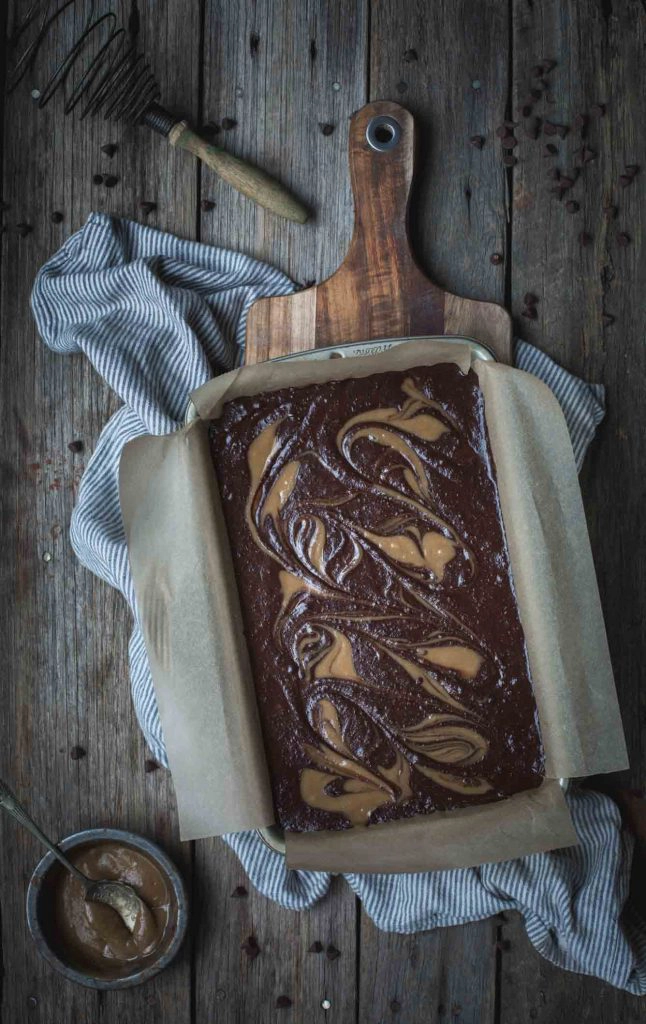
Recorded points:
(36, 901)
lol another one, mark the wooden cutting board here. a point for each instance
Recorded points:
(379, 291)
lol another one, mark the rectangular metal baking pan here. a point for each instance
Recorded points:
(377, 345)
(368, 348)
(273, 836)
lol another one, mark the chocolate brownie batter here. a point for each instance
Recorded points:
(388, 655)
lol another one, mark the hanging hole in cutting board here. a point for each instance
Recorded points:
(383, 133)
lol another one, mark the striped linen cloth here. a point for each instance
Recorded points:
(158, 316)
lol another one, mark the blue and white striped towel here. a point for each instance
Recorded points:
(158, 316)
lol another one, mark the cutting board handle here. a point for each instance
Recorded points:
(379, 291)
(381, 156)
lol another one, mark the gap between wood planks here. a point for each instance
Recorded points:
(4, 15)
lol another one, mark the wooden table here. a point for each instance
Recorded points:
(280, 70)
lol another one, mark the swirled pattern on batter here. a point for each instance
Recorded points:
(388, 655)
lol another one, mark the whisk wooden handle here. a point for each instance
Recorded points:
(246, 178)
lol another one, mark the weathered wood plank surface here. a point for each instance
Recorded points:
(447, 974)
(233, 989)
(63, 632)
(273, 67)
(281, 70)
(598, 48)
(447, 63)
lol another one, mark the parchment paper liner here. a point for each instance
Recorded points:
(189, 611)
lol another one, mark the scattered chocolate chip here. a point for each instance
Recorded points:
(254, 43)
(402, 87)
(625, 180)
(109, 149)
(228, 123)
(97, 179)
(56, 217)
(533, 127)
(316, 947)
(527, 110)
(549, 128)
(150, 766)
(610, 210)
(147, 207)
(554, 173)
(542, 85)
(530, 313)
(207, 205)
(509, 142)
(623, 239)
(550, 97)
(250, 947)
(548, 65)
(395, 1006)
(76, 753)
(410, 56)
(110, 180)
(477, 141)
(566, 182)
(607, 319)
(502, 131)
(538, 71)
(509, 160)
(326, 129)
(24, 229)
(584, 155)
(631, 170)
(530, 299)
(598, 110)
(585, 238)
(572, 206)
(239, 892)
(535, 94)
(283, 1003)
(550, 149)
(581, 122)
(332, 953)
(76, 446)
(496, 258)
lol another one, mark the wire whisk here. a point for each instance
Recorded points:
(103, 72)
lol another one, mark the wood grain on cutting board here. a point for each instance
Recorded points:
(379, 291)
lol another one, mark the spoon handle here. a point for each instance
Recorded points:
(9, 802)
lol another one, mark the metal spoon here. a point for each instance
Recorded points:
(118, 895)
